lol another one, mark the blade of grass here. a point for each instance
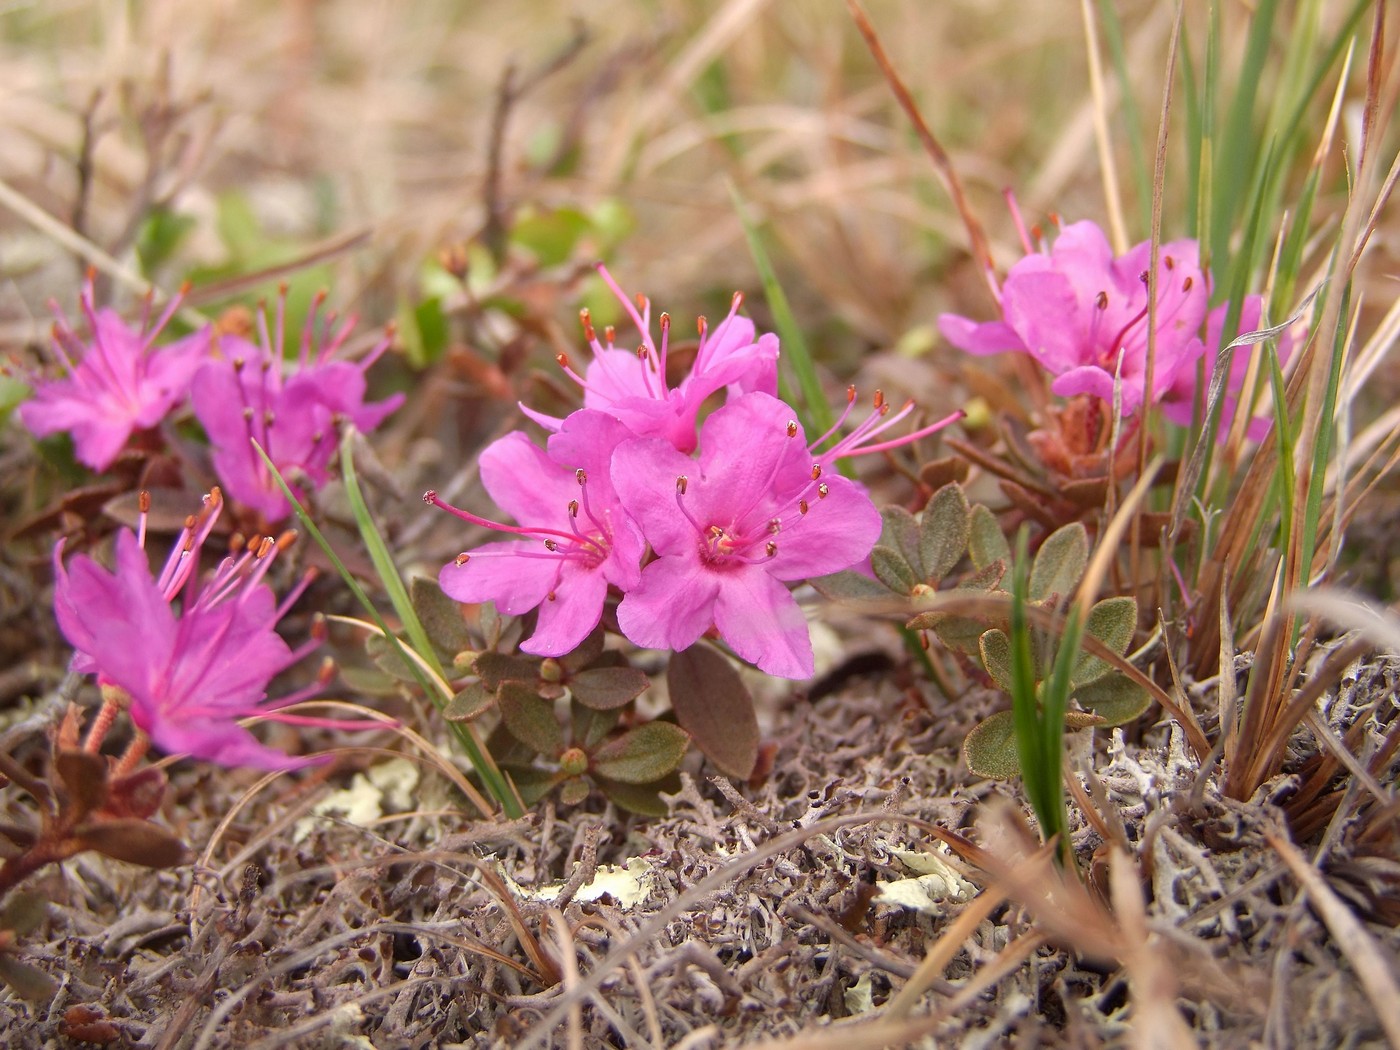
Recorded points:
(481, 761)
(1132, 120)
(817, 413)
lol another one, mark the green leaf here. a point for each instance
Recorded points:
(892, 570)
(604, 688)
(901, 532)
(26, 981)
(985, 542)
(533, 784)
(134, 841)
(990, 749)
(1112, 621)
(529, 719)
(713, 705)
(642, 755)
(642, 798)
(590, 727)
(849, 586)
(1059, 563)
(995, 648)
(389, 658)
(1115, 698)
(944, 532)
(585, 652)
(574, 790)
(550, 236)
(472, 702)
(495, 669)
(441, 616)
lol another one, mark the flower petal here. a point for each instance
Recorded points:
(763, 624)
(672, 606)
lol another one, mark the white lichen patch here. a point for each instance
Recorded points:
(387, 787)
(628, 884)
(936, 883)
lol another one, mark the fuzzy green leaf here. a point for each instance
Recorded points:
(495, 669)
(713, 705)
(573, 791)
(642, 755)
(389, 658)
(440, 615)
(995, 648)
(533, 784)
(604, 688)
(850, 586)
(590, 726)
(585, 652)
(944, 532)
(642, 798)
(901, 532)
(1059, 563)
(1114, 698)
(473, 701)
(985, 542)
(892, 569)
(530, 719)
(1112, 621)
(990, 749)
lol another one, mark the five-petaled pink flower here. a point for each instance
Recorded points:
(190, 674)
(246, 395)
(729, 529)
(116, 383)
(575, 537)
(632, 387)
(1083, 315)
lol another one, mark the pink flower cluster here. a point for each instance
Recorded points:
(120, 382)
(187, 675)
(618, 498)
(1083, 314)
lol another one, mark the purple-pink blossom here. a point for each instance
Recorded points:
(1083, 315)
(729, 530)
(116, 382)
(632, 385)
(250, 392)
(1179, 403)
(575, 538)
(189, 673)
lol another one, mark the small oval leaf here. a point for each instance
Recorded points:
(642, 798)
(440, 615)
(850, 586)
(891, 569)
(26, 981)
(990, 749)
(944, 532)
(1112, 621)
(901, 532)
(472, 702)
(84, 777)
(1114, 698)
(985, 542)
(496, 668)
(642, 755)
(605, 688)
(1059, 563)
(995, 648)
(713, 705)
(530, 719)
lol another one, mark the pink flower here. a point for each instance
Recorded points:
(1083, 315)
(189, 674)
(576, 538)
(631, 386)
(116, 384)
(728, 530)
(1179, 403)
(247, 395)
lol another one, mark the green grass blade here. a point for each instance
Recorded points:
(480, 759)
(817, 417)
